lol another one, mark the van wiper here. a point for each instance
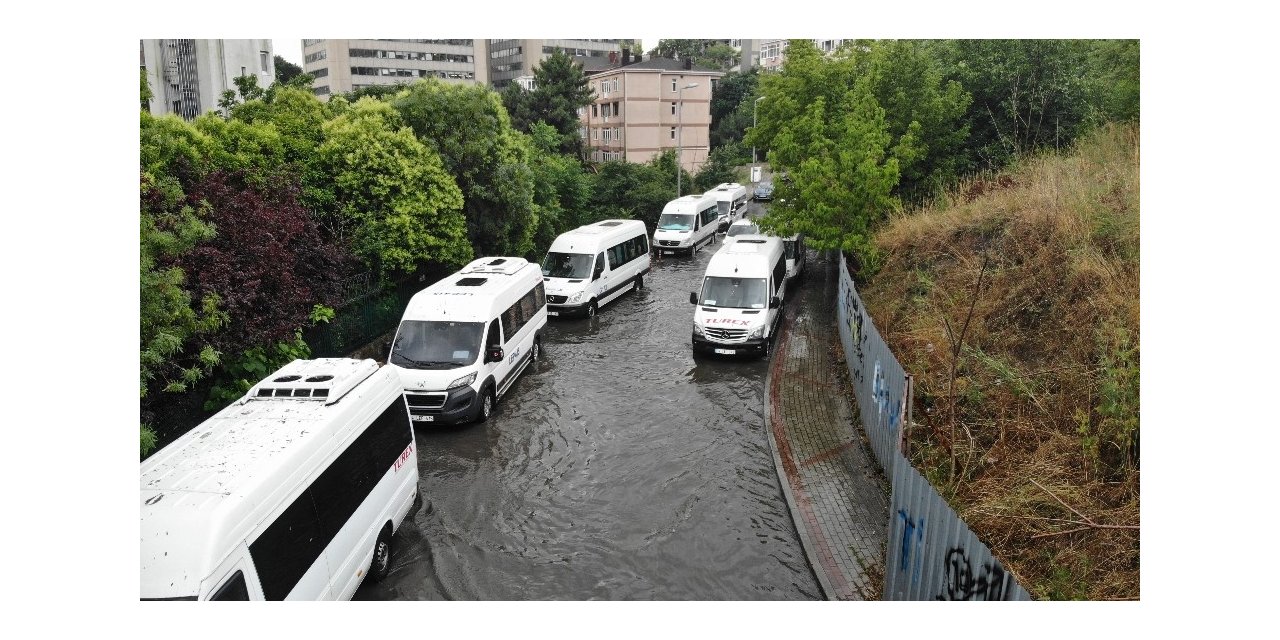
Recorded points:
(424, 364)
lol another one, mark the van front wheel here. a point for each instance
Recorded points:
(592, 309)
(639, 282)
(381, 565)
(486, 405)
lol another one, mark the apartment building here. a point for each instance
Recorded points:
(772, 53)
(511, 60)
(187, 77)
(340, 66)
(645, 107)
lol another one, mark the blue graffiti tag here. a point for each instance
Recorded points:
(880, 396)
(904, 558)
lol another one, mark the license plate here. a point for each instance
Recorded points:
(424, 418)
(553, 313)
(727, 352)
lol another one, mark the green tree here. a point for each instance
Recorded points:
(562, 190)
(721, 166)
(286, 71)
(396, 204)
(1114, 82)
(560, 89)
(731, 106)
(630, 190)
(718, 56)
(146, 90)
(468, 127)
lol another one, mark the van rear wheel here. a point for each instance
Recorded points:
(381, 565)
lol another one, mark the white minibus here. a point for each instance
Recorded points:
(686, 224)
(293, 492)
(793, 247)
(730, 197)
(739, 306)
(591, 266)
(464, 340)
(739, 228)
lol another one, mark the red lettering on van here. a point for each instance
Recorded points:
(404, 456)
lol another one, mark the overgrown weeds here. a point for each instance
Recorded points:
(1028, 423)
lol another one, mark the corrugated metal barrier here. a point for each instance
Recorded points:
(932, 555)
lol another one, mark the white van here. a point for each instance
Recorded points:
(686, 224)
(793, 247)
(740, 305)
(591, 266)
(739, 228)
(293, 492)
(464, 340)
(730, 197)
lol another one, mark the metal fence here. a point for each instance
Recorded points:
(932, 554)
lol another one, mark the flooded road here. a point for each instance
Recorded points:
(617, 468)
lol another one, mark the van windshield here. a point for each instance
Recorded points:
(724, 207)
(430, 344)
(676, 221)
(566, 265)
(734, 293)
(743, 229)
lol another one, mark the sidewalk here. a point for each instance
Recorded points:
(839, 500)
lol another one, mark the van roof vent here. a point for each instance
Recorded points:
(322, 380)
(470, 282)
(752, 240)
(504, 266)
(610, 223)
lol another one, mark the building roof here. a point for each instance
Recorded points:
(656, 64)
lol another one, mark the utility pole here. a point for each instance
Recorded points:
(680, 134)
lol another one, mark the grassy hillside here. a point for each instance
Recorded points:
(1014, 304)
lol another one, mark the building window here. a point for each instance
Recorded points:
(264, 57)
(673, 108)
(673, 133)
(595, 112)
(595, 134)
(673, 84)
(244, 71)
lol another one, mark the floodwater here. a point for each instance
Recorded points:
(617, 468)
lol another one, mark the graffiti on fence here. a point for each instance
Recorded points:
(961, 584)
(853, 315)
(880, 395)
(911, 526)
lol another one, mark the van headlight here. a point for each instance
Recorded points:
(756, 333)
(575, 297)
(462, 382)
(697, 328)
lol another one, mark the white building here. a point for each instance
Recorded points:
(187, 77)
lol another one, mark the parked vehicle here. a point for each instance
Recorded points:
(686, 224)
(293, 492)
(793, 247)
(763, 191)
(591, 266)
(464, 340)
(739, 305)
(739, 228)
(730, 198)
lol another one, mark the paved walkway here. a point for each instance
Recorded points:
(839, 499)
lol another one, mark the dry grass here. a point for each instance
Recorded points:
(1045, 398)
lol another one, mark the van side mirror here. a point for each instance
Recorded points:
(494, 354)
(599, 270)
(774, 303)
(693, 297)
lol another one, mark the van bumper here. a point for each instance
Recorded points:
(751, 346)
(567, 310)
(460, 406)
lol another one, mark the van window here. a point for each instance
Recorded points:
(779, 270)
(495, 338)
(540, 296)
(709, 214)
(287, 548)
(233, 589)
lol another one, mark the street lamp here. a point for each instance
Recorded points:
(754, 107)
(680, 133)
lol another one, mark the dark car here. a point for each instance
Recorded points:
(764, 191)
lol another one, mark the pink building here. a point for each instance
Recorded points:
(643, 108)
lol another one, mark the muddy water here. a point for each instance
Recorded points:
(621, 468)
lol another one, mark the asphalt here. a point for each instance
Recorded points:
(839, 498)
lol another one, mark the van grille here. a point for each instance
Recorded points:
(425, 400)
(556, 299)
(668, 243)
(725, 334)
